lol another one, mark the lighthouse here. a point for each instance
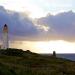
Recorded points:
(5, 37)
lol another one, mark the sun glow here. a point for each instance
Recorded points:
(59, 46)
(38, 8)
(30, 7)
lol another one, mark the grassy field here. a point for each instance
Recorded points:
(18, 62)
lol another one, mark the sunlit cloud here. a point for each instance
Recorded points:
(43, 27)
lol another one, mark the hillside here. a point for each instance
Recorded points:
(18, 62)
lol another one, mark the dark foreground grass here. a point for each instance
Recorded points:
(28, 63)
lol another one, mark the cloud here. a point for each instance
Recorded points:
(61, 26)
(51, 27)
(20, 26)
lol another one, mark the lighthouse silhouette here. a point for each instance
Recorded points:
(5, 37)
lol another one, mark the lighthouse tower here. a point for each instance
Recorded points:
(5, 37)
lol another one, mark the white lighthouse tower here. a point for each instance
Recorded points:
(5, 37)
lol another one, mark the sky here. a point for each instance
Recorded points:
(41, 26)
(39, 8)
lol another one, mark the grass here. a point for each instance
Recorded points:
(28, 63)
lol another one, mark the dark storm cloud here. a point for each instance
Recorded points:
(62, 26)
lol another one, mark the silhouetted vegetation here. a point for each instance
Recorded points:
(12, 52)
(19, 62)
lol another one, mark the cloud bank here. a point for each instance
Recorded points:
(19, 24)
(61, 26)
(51, 27)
